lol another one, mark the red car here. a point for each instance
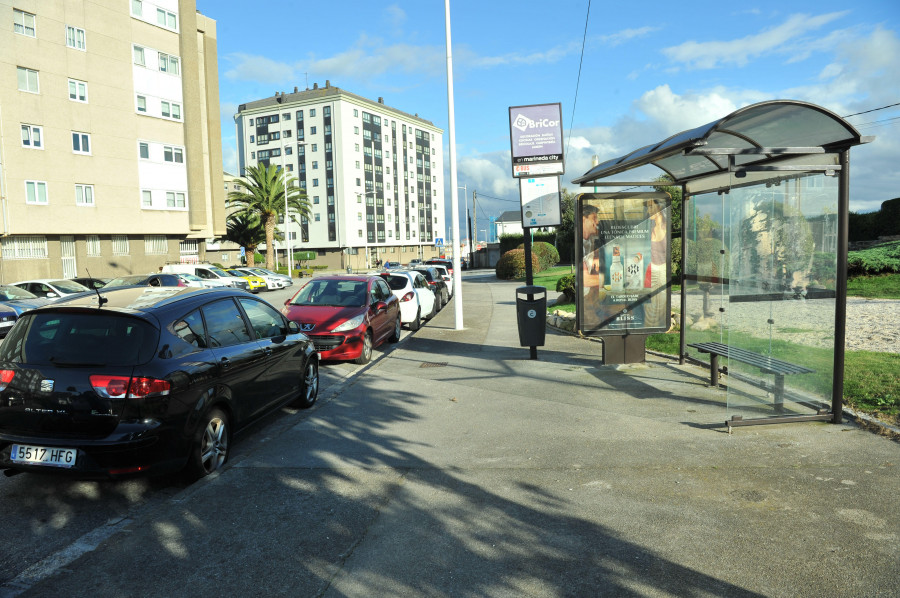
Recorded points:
(346, 316)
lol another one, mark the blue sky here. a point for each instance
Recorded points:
(649, 69)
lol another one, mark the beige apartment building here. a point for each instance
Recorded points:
(110, 142)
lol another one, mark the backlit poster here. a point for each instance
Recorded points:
(624, 244)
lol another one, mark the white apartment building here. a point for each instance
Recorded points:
(110, 140)
(372, 173)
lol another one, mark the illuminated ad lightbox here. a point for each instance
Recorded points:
(624, 283)
(540, 199)
(536, 139)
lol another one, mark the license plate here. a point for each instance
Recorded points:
(42, 455)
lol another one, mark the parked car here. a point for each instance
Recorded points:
(207, 272)
(92, 283)
(446, 276)
(146, 280)
(8, 317)
(391, 265)
(195, 281)
(256, 283)
(346, 316)
(271, 282)
(148, 380)
(288, 281)
(19, 299)
(414, 263)
(441, 261)
(51, 289)
(417, 300)
(437, 284)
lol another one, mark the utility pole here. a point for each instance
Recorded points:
(475, 216)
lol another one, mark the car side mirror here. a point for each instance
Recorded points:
(293, 327)
(287, 302)
(380, 306)
(51, 294)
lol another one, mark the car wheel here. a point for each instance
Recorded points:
(366, 355)
(417, 322)
(437, 306)
(309, 385)
(209, 451)
(395, 337)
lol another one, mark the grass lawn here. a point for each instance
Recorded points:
(871, 380)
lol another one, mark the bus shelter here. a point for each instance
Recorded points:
(764, 224)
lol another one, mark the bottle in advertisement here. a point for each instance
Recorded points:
(634, 271)
(616, 272)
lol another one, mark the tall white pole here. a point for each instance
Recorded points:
(454, 210)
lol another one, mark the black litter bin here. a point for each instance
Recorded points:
(531, 313)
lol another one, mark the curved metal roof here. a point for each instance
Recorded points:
(756, 134)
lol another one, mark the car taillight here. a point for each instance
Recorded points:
(122, 387)
(408, 297)
(432, 283)
(6, 377)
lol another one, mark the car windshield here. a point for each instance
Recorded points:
(77, 339)
(190, 277)
(11, 293)
(68, 287)
(337, 293)
(123, 281)
(220, 272)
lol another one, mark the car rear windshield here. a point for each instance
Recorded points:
(397, 282)
(76, 338)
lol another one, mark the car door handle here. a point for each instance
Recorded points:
(225, 363)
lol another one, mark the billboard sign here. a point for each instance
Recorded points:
(536, 139)
(540, 200)
(624, 283)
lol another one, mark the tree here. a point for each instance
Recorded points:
(565, 232)
(247, 231)
(262, 194)
(675, 192)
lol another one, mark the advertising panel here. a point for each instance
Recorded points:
(540, 200)
(536, 139)
(624, 282)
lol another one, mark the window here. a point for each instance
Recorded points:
(175, 199)
(326, 111)
(355, 112)
(356, 130)
(166, 19)
(315, 147)
(92, 245)
(312, 130)
(155, 245)
(171, 110)
(24, 247)
(137, 8)
(144, 150)
(224, 324)
(318, 218)
(315, 182)
(146, 198)
(299, 114)
(139, 58)
(273, 118)
(312, 111)
(31, 136)
(28, 79)
(75, 38)
(168, 63)
(315, 164)
(119, 245)
(286, 116)
(84, 195)
(23, 22)
(81, 143)
(36, 192)
(173, 154)
(141, 104)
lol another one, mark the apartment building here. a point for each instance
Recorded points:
(110, 142)
(372, 173)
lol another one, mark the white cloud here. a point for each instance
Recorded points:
(784, 38)
(626, 35)
(248, 67)
(395, 15)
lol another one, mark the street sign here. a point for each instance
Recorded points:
(540, 200)
(439, 241)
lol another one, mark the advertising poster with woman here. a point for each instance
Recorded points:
(624, 240)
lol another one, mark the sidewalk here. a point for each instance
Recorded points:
(456, 466)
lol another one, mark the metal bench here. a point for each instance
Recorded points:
(766, 364)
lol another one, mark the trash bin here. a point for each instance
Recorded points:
(349, 269)
(531, 315)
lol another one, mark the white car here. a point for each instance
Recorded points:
(442, 270)
(264, 272)
(195, 281)
(417, 300)
(273, 282)
(50, 288)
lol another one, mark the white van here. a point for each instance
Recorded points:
(207, 272)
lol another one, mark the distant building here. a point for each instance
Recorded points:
(509, 223)
(112, 155)
(372, 173)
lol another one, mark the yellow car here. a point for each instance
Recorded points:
(256, 283)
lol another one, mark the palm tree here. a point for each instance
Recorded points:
(247, 231)
(261, 194)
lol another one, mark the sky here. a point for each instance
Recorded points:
(647, 69)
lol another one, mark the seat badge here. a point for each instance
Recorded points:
(46, 385)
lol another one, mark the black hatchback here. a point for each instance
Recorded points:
(145, 380)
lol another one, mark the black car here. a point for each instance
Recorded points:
(145, 380)
(92, 283)
(440, 261)
(150, 280)
(436, 282)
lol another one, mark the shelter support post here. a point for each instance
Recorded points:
(682, 316)
(840, 312)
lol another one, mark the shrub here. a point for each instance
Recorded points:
(880, 259)
(512, 265)
(545, 252)
(566, 286)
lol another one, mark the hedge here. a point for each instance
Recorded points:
(512, 265)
